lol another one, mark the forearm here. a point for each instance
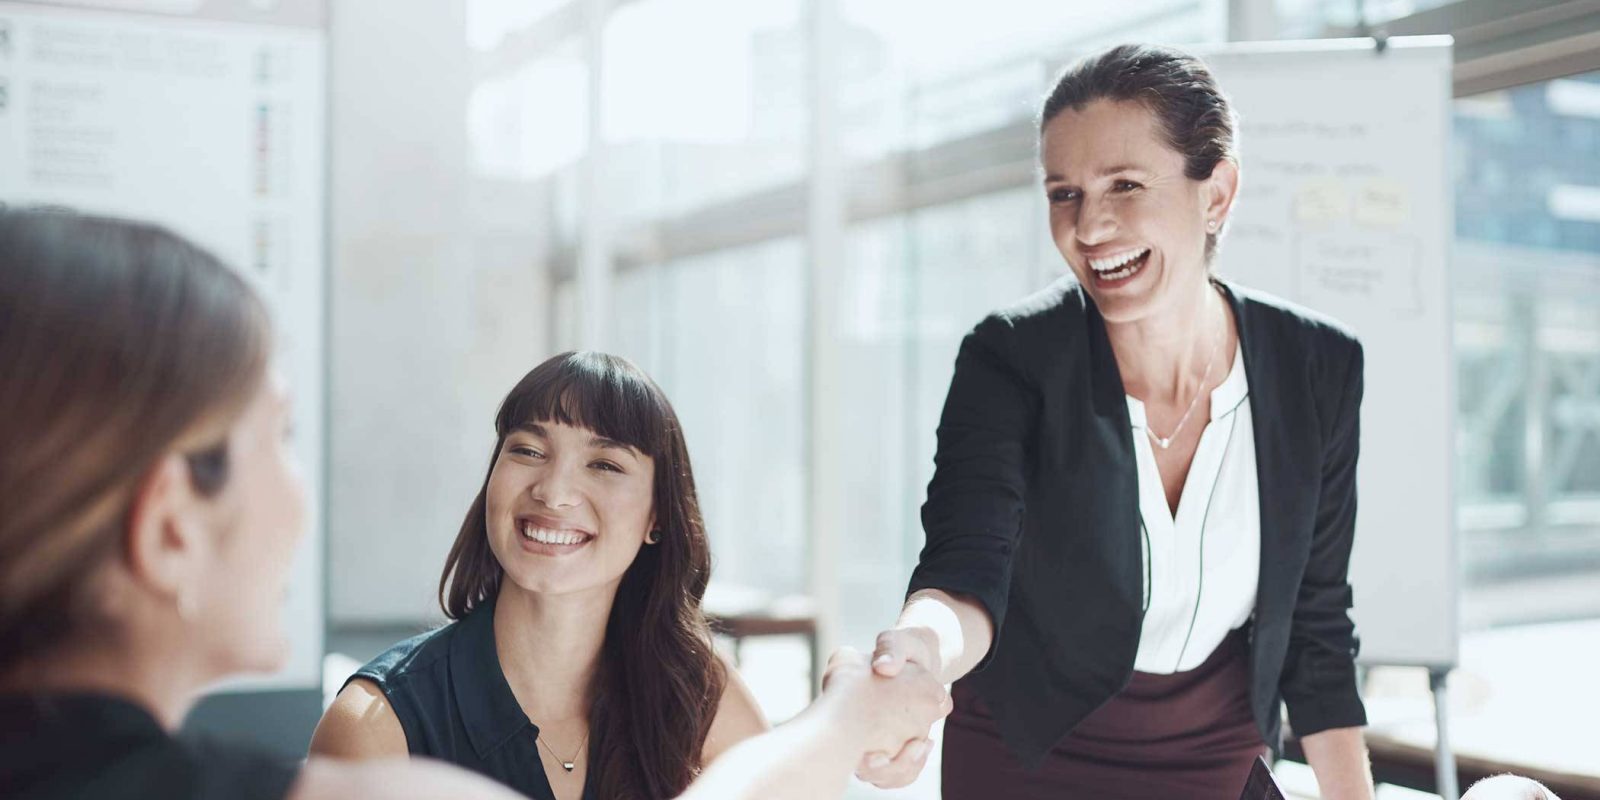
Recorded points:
(959, 625)
(810, 756)
(1338, 756)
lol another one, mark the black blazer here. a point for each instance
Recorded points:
(1034, 510)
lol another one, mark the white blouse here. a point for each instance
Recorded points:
(1202, 565)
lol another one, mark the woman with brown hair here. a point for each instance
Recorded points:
(1141, 516)
(579, 663)
(149, 511)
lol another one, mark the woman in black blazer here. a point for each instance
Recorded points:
(1134, 589)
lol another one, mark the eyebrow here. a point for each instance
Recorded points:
(1111, 170)
(599, 441)
(611, 444)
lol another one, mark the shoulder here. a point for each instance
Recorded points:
(417, 657)
(738, 716)
(360, 724)
(1027, 336)
(1270, 316)
(1043, 309)
(364, 720)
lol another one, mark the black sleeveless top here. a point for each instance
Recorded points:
(454, 703)
(99, 747)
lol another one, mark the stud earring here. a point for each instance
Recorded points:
(653, 537)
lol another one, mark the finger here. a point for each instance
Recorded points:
(873, 762)
(846, 656)
(882, 763)
(887, 658)
(904, 768)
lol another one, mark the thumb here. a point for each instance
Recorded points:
(888, 659)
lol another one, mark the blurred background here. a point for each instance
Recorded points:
(788, 212)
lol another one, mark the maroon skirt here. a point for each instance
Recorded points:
(1186, 735)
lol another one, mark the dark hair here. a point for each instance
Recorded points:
(659, 681)
(1191, 110)
(122, 343)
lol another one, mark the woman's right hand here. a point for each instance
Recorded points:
(902, 655)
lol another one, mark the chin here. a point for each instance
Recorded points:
(1139, 299)
(1123, 307)
(549, 582)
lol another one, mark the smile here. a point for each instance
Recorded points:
(1120, 266)
(563, 538)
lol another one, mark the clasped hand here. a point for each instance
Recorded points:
(902, 697)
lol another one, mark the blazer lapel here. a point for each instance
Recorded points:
(1281, 463)
(1111, 441)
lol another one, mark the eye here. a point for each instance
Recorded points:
(1062, 195)
(524, 450)
(1125, 186)
(606, 466)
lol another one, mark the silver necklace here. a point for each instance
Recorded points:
(1166, 442)
(568, 764)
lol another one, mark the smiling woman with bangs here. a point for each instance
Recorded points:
(579, 648)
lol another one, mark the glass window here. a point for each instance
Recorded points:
(690, 125)
(723, 335)
(1527, 305)
(911, 79)
(526, 124)
(1311, 19)
(916, 283)
(490, 22)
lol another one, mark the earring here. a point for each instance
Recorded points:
(653, 537)
(1211, 226)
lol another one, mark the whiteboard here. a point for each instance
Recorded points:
(1345, 207)
(214, 129)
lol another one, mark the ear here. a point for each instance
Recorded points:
(1220, 190)
(162, 530)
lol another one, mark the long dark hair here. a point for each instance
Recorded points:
(121, 342)
(659, 681)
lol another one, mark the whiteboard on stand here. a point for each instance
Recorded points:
(1345, 208)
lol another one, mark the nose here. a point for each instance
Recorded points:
(1096, 222)
(555, 487)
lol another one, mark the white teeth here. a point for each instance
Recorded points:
(1119, 274)
(547, 536)
(1104, 265)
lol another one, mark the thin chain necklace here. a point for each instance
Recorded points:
(1166, 442)
(568, 764)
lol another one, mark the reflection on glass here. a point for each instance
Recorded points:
(703, 101)
(723, 336)
(489, 22)
(1527, 306)
(915, 284)
(911, 79)
(528, 123)
(1312, 19)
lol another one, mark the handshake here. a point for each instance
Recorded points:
(889, 703)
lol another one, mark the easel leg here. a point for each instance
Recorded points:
(1444, 757)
